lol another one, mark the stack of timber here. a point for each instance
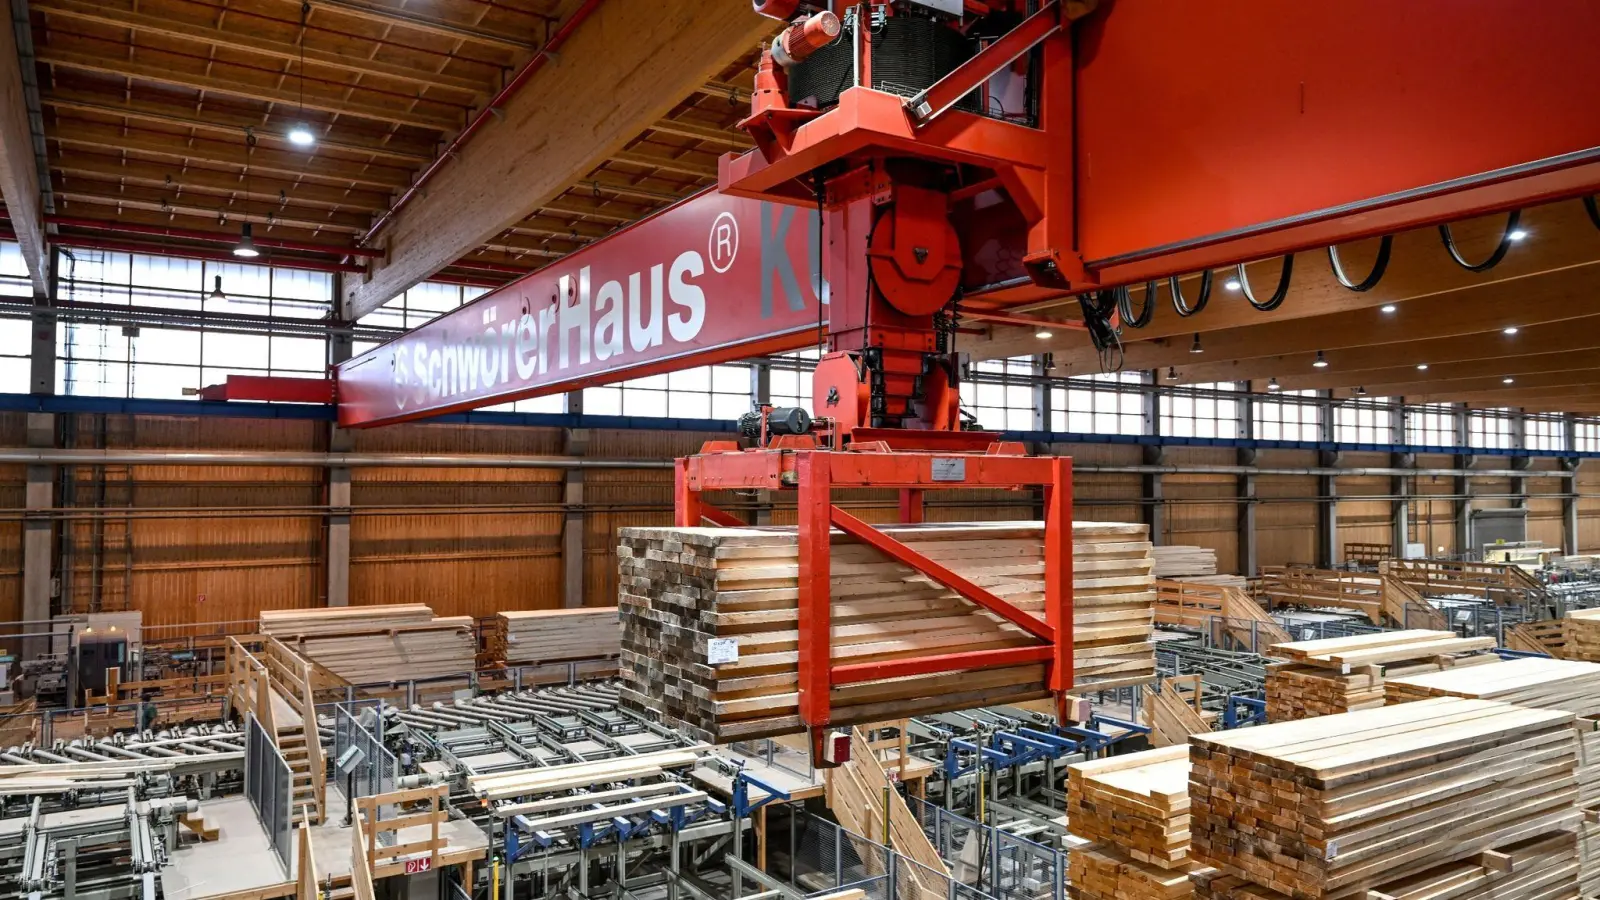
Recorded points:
(1135, 810)
(856, 794)
(1581, 629)
(1342, 805)
(683, 588)
(1179, 561)
(1173, 712)
(1337, 675)
(534, 636)
(1589, 804)
(377, 644)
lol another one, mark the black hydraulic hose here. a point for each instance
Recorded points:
(1379, 266)
(1125, 305)
(1494, 258)
(1178, 303)
(1276, 300)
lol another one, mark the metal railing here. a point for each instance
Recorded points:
(825, 858)
(268, 781)
(378, 769)
(989, 860)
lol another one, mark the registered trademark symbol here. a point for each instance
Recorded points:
(722, 247)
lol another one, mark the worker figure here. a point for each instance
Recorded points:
(148, 712)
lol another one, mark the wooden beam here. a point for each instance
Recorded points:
(179, 179)
(1351, 366)
(1440, 373)
(679, 165)
(1464, 386)
(565, 122)
(1559, 235)
(294, 166)
(19, 168)
(220, 122)
(389, 15)
(108, 64)
(100, 193)
(166, 26)
(1482, 308)
(710, 134)
(1515, 395)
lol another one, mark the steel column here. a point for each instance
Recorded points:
(815, 622)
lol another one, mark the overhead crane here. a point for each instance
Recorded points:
(924, 165)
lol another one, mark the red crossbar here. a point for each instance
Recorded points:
(856, 673)
(899, 552)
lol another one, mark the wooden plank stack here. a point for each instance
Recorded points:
(534, 636)
(1339, 805)
(377, 644)
(1581, 629)
(1196, 565)
(856, 792)
(1337, 675)
(682, 588)
(1135, 810)
(1588, 728)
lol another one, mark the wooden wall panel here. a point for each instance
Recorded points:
(1588, 482)
(618, 498)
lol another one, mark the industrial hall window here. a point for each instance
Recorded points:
(1364, 421)
(417, 306)
(1431, 425)
(706, 392)
(222, 318)
(1111, 403)
(1489, 429)
(1586, 435)
(1297, 416)
(1544, 433)
(1201, 411)
(16, 334)
(790, 378)
(1000, 393)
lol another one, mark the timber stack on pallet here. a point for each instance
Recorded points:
(686, 592)
(1135, 810)
(377, 644)
(528, 637)
(1337, 806)
(1581, 631)
(1336, 675)
(1196, 565)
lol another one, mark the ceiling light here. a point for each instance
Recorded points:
(1508, 381)
(1512, 330)
(1422, 367)
(1231, 284)
(1387, 307)
(300, 135)
(1195, 347)
(1041, 334)
(216, 292)
(1517, 234)
(1172, 373)
(1322, 361)
(1272, 384)
(1360, 391)
(246, 248)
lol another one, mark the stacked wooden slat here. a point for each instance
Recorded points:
(1135, 810)
(533, 636)
(683, 588)
(1581, 629)
(1338, 805)
(1179, 561)
(1336, 675)
(378, 644)
(1588, 728)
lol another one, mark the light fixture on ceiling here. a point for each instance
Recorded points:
(300, 133)
(1508, 380)
(1360, 391)
(1272, 384)
(1388, 308)
(1172, 373)
(1321, 361)
(1517, 234)
(1041, 334)
(1511, 329)
(246, 248)
(216, 290)
(1422, 367)
(1195, 347)
(1231, 284)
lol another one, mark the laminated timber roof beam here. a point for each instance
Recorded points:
(1497, 368)
(389, 15)
(567, 120)
(179, 179)
(164, 26)
(19, 169)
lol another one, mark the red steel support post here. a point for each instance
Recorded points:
(1058, 571)
(911, 508)
(686, 501)
(814, 502)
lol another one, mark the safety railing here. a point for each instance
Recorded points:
(376, 772)
(825, 858)
(989, 860)
(267, 784)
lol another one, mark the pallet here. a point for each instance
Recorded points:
(682, 588)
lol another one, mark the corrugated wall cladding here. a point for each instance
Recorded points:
(505, 554)
(499, 440)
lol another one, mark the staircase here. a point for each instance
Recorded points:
(303, 790)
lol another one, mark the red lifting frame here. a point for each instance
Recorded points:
(814, 474)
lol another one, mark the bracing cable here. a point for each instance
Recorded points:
(1178, 303)
(1282, 291)
(1506, 240)
(1125, 305)
(1593, 209)
(1379, 266)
